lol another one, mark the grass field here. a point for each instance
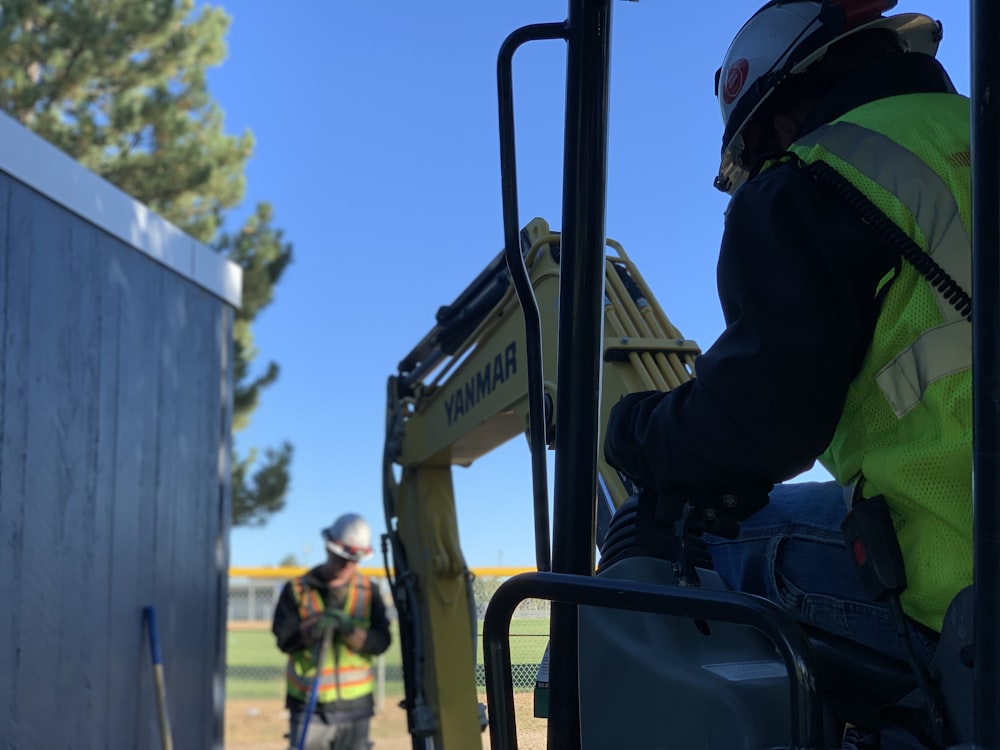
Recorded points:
(255, 667)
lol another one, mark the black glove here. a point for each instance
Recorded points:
(714, 510)
(622, 447)
(335, 622)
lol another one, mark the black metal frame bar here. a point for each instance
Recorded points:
(537, 439)
(581, 328)
(718, 606)
(986, 368)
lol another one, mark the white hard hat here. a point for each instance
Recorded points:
(784, 38)
(349, 537)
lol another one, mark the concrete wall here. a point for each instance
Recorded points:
(115, 410)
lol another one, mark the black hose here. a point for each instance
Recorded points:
(403, 585)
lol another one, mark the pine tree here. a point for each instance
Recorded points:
(120, 86)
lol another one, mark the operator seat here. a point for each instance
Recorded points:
(856, 680)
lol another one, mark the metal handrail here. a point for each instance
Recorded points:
(700, 604)
(537, 438)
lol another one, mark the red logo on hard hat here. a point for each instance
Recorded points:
(736, 79)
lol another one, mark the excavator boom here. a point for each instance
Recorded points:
(461, 393)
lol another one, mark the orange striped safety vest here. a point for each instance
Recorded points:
(346, 674)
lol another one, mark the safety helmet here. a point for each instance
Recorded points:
(349, 537)
(783, 39)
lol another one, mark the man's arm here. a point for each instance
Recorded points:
(290, 631)
(797, 280)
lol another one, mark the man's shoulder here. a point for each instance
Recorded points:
(782, 181)
(310, 579)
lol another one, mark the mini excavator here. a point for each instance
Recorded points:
(646, 650)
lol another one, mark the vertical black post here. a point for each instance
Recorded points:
(985, 360)
(581, 328)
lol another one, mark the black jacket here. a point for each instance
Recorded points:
(797, 277)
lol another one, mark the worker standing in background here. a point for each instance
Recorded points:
(334, 603)
(836, 346)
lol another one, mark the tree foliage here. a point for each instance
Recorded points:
(120, 86)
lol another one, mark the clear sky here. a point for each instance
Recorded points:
(377, 144)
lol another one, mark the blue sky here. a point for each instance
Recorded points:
(377, 144)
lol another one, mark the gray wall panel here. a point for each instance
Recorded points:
(106, 713)
(64, 366)
(220, 542)
(44, 465)
(8, 519)
(114, 412)
(137, 339)
(13, 426)
(99, 705)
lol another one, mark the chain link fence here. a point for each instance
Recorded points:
(255, 668)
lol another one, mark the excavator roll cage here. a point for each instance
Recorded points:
(455, 397)
(466, 389)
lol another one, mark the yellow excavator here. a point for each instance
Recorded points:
(466, 389)
(462, 392)
(707, 668)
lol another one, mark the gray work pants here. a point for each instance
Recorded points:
(321, 735)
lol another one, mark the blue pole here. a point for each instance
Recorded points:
(166, 736)
(313, 694)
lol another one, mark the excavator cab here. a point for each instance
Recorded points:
(652, 650)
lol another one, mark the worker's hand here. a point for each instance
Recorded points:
(628, 421)
(307, 628)
(335, 621)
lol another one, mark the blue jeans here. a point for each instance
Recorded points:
(792, 552)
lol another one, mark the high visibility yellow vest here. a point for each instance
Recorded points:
(906, 427)
(346, 675)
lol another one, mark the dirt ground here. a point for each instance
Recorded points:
(259, 725)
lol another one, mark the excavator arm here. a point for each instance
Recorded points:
(462, 392)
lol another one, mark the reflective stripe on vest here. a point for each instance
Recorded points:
(946, 349)
(307, 598)
(345, 675)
